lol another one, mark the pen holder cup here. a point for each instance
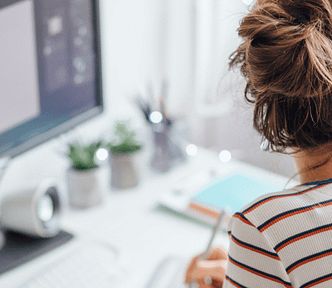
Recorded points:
(166, 152)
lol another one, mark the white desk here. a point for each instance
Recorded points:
(144, 236)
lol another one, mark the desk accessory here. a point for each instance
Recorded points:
(35, 211)
(220, 219)
(205, 255)
(86, 178)
(148, 107)
(122, 148)
(201, 196)
(166, 151)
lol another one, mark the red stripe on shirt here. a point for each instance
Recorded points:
(302, 237)
(282, 196)
(292, 214)
(232, 282)
(309, 260)
(243, 219)
(254, 250)
(318, 282)
(259, 274)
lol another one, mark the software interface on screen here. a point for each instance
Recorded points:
(47, 66)
(18, 47)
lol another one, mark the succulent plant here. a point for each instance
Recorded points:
(82, 156)
(124, 139)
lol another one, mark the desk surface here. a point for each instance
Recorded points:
(127, 219)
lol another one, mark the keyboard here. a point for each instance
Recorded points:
(88, 266)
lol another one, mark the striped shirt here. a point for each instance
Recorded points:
(283, 239)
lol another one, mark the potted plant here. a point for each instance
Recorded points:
(87, 180)
(123, 145)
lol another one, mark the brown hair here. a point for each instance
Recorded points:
(286, 58)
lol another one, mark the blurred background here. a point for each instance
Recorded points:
(188, 43)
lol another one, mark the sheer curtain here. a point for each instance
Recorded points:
(197, 39)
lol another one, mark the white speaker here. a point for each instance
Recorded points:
(34, 212)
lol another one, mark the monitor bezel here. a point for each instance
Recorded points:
(81, 118)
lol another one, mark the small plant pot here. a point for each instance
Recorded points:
(87, 188)
(123, 172)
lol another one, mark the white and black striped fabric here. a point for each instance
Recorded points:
(283, 239)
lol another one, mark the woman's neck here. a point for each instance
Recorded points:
(313, 167)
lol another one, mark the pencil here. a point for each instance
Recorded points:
(216, 227)
(220, 219)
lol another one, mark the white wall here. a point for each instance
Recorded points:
(138, 49)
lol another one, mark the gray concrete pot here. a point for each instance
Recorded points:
(123, 172)
(87, 188)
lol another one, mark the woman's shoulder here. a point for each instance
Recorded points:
(270, 206)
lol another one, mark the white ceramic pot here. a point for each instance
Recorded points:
(87, 188)
(123, 171)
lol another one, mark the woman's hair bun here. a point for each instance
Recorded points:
(286, 57)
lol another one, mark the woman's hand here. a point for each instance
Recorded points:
(213, 268)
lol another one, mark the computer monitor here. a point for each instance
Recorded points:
(50, 70)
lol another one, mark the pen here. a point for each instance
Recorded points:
(150, 97)
(163, 96)
(214, 233)
(207, 250)
(143, 106)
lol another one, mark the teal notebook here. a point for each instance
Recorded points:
(235, 190)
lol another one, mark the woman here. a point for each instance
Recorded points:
(284, 239)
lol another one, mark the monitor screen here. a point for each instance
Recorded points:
(50, 70)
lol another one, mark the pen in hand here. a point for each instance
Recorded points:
(205, 255)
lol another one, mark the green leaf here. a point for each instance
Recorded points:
(124, 141)
(82, 156)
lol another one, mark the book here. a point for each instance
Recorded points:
(230, 192)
